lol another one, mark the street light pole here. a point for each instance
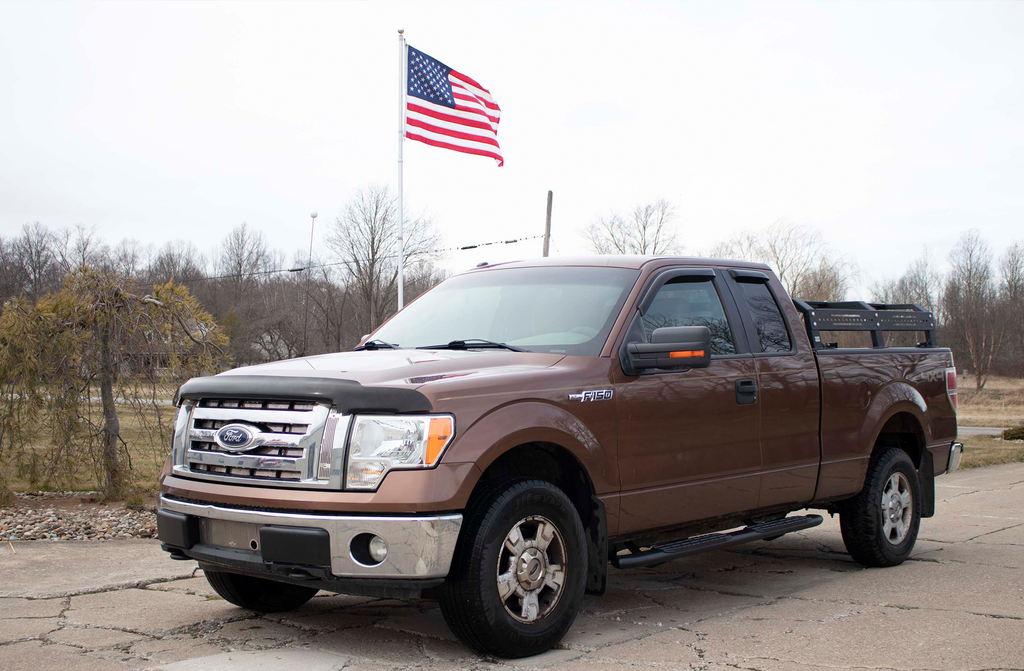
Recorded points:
(309, 271)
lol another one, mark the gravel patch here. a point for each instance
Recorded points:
(51, 516)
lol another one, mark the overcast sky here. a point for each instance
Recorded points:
(886, 126)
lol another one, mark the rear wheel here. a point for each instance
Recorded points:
(880, 524)
(519, 570)
(259, 594)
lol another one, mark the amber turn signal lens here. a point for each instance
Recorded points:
(687, 354)
(437, 438)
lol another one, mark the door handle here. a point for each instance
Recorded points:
(746, 392)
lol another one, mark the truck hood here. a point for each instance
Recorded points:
(407, 367)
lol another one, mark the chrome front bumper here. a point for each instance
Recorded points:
(418, 546)
(956, 454)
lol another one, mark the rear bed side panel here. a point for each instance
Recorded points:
(862, 390)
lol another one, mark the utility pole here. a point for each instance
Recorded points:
(309, 270)
(547, 226)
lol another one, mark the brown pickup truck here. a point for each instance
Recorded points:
(501, 441)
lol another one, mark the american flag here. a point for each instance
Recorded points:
(447, 109)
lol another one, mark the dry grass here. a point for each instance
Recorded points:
(147, 456)
(989, 450)
(1000, 403)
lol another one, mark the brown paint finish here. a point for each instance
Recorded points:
(791, 409)
(864, 389)
(667, 449)
(688, 450)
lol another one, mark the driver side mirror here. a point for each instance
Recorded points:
(673, 348)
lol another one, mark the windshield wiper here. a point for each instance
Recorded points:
(472, 343)
(374, 345)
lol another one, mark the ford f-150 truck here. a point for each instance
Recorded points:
(517, 429)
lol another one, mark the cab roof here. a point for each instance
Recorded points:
(633, 262)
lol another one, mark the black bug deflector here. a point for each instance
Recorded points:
(346, 396)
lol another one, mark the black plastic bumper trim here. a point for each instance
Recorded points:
(295, 545)
(245, 562)
(177, 529)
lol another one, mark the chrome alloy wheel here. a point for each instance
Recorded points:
(897, 508)
(531, 569)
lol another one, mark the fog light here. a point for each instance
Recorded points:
(378, 549)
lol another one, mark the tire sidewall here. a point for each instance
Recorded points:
(546, 501)
(899, 462)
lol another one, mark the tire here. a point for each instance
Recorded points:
(259, 594)
(880, 531)
(530, 618)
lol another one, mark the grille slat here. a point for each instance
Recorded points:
(288, 433)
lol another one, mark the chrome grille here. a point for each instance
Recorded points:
(287, 436)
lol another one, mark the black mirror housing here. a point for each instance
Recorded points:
(673, 348)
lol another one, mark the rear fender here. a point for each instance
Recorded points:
(895, 397)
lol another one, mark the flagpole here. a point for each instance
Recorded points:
(402, 64)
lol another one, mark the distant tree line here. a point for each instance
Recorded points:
(255, 293)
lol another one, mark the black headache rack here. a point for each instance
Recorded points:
(877, 318)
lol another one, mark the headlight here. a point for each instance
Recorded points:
(381, 443)
(179, 440)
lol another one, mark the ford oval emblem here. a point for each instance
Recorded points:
(237, 437)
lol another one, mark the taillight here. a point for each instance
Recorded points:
(951, 386)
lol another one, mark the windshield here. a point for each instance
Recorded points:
(559, 310)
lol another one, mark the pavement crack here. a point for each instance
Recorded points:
(988, 533)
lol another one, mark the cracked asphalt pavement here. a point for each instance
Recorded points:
(795, 603)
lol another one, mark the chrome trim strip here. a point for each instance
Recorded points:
(264, 462)
(262, 438)
(258, 415)
(956, 455)
(418, 547)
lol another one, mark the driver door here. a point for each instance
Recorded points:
(689, 444)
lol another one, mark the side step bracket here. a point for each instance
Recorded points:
(690, 546)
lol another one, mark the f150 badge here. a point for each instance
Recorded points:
(597, 395)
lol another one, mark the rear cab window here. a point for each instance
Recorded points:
(769, 324)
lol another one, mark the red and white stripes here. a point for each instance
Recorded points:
(471, 127)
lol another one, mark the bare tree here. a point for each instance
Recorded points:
(35, 249)
(365, 239)
(829, 281)
(970, 304)
(1011, 300)
(79, 247)
(177, 261)
(799, 256)
(244, 260)
(13, 276)
(646, 229)
(920, 285)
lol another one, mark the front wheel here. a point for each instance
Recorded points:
(259, 594)
(519, 570)
(880, 524)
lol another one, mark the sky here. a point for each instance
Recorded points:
(890, 128)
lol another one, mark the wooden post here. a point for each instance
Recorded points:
(547, 227)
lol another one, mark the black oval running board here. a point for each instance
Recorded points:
(690, 546)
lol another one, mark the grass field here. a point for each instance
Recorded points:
(1000, 403)
(989, 450)
(144, 447)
